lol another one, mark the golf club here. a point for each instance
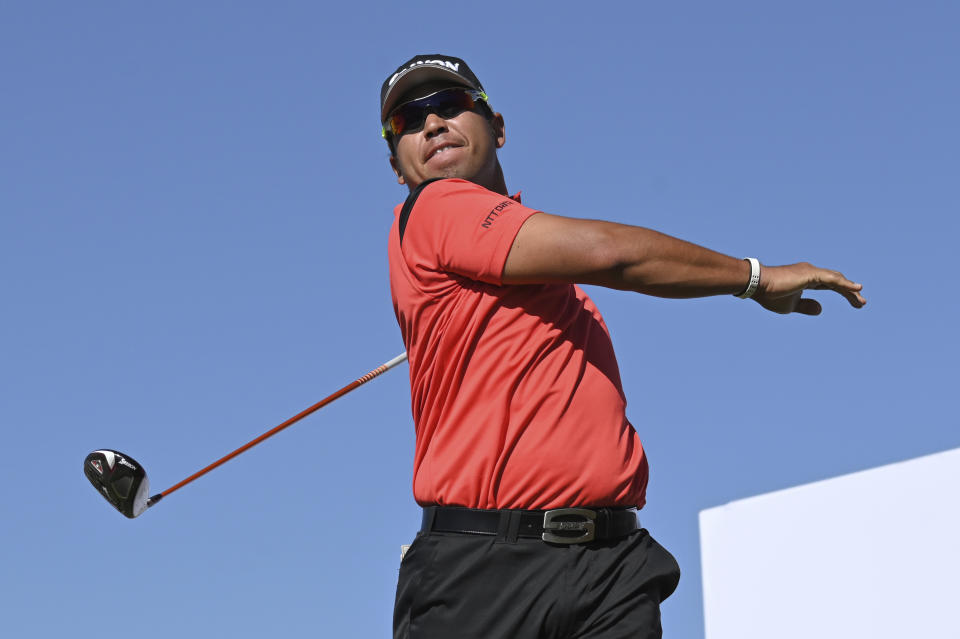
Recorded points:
(123, 481)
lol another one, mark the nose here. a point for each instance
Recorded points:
(434, 125)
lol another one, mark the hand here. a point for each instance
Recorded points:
(781, 288)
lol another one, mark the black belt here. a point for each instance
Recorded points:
(558, 526)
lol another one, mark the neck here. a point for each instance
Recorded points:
(493, 181)
(497, 184)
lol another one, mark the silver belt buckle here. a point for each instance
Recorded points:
(551, 523)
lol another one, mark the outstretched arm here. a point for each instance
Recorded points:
(550, 248)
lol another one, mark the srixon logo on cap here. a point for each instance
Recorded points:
(453, 66)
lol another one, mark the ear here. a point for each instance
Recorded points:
(396, 169)
(499, 130)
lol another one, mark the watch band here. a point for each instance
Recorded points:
(754, 278)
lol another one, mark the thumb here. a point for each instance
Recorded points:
(808, 306)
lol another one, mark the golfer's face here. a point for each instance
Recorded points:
(463, 146)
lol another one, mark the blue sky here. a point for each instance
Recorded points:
(194, 201)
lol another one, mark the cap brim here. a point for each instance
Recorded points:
(419, 75)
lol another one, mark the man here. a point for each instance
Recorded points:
(529, 473)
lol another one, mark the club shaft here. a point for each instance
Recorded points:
(383, 368)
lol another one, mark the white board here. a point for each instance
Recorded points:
(873, 554)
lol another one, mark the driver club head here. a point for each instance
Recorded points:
(120, 479)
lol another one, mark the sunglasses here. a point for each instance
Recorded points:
(410, 116)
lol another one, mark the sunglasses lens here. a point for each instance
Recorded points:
(447, 104)
(454, 103)
(397, 122)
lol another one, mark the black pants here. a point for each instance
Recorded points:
(475, 586)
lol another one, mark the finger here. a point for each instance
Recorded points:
(855, 298)
(807, 306)
(838, 282)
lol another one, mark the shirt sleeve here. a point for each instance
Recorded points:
(460, 227)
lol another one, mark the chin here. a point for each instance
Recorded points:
(451, 171)
(452, 166)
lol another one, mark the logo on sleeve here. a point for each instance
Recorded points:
(495, 213)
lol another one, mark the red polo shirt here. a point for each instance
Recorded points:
(515, 390)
